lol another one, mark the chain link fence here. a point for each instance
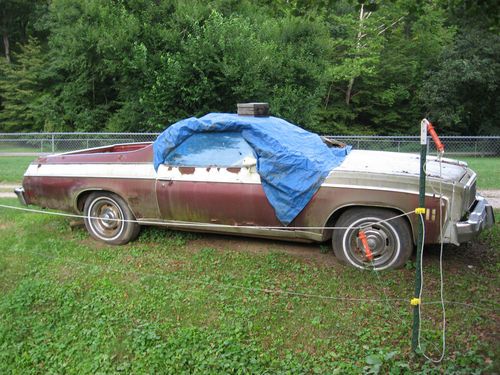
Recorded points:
(478, 146)
(48, 143)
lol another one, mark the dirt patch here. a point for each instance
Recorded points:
(305, 251)
(5, 226)
(468, 257)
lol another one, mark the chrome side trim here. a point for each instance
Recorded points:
(287, 234)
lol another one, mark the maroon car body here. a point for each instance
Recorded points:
(119, 183)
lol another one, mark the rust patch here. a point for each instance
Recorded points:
(170, 168)
(186, 170)
(234, 170)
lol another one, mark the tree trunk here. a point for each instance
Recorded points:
(358, 45)
(6, 46)
(348, 92)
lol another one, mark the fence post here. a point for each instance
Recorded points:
(53, 144)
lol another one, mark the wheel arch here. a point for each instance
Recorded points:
(81, 197)
(332, 219)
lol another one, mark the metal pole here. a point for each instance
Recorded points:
(420, 240)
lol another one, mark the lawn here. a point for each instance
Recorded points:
(12, 168)
(488, 170)
(175, 302)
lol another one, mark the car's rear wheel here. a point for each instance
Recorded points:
(390, 242)
(107, 218)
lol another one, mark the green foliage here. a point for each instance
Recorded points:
(462, 91)
(385, 56)
(331, 66)
(226, 60)
(21, 88)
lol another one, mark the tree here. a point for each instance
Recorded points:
(16, 17)
(226, 60)
(345, 66)
(462, 91)
(21, 87)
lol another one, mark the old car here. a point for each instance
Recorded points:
(220, 176)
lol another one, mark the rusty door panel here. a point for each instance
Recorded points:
(215, 202)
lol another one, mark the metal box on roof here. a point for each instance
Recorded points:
(253, 109)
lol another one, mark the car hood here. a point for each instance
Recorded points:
(396, 163)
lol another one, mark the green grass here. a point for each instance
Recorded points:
(5, 147)
(488, 171)
(173, 302)
(12, 168)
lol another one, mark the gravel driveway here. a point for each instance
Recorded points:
(493, 196)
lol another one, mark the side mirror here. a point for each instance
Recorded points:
(249, 162)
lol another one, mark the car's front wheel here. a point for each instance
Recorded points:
(109, 219)
(390, 241)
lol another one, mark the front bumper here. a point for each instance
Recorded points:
(20, 195)
(480, 218)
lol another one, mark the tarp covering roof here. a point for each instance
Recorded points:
(292, 162)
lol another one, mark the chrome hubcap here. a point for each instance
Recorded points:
(382, 241)
(106, 218)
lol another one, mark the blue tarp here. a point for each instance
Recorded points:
(292, 162)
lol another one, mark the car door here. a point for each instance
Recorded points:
(212, 178)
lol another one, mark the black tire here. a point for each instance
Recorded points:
(108, 209)
(390, 242)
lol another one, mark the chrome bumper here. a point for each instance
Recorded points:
(20, 195)
(480, 218)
